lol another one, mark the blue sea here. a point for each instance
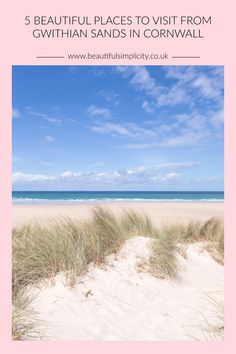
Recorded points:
(69, 197)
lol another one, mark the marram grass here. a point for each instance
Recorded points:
(25, 325)
(69, 246)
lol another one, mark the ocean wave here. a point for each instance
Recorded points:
(21, 200)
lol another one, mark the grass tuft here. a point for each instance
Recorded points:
(25, 325)
(214, 331)
(163, 261)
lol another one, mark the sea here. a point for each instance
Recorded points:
(86, 197)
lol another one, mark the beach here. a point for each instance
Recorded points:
(159, 212)
(118, 203)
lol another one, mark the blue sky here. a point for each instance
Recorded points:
(118, 128)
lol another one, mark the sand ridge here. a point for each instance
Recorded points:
(120, 302)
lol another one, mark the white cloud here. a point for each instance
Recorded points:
(138, 176)
(29, 177)
(131, 130)
(217, 118)
(175, 95)
(45, 116)
(178, 165)
(99, 112)
(15, 113)
(112, 128)
(97, 71)
(181, 129)
(49, 139)
(110, 96)
(171, 177)
(189, 84)
(208, 87)
(186, 73)
(141, 175)
(187, 137)
(147, 107)
(70, 174)
(140, 79)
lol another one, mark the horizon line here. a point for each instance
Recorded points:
(157, 191)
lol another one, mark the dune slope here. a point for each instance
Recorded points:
(123, 301)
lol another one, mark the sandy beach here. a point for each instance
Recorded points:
(159, 212)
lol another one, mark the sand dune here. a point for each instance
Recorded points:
(122, 301)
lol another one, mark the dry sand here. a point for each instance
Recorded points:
(160, 212)
(122, 301)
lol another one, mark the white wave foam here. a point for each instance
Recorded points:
(97, 200)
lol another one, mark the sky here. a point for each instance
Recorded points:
(118, 128)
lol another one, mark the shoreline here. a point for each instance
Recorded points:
(160, 212)
(93, 201)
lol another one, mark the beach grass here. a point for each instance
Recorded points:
(65, 245)
(214, 332)
(173, 238)
(25, 325)
(69, 246)
(163, 261)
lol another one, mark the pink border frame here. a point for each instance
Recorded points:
(18, 48)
